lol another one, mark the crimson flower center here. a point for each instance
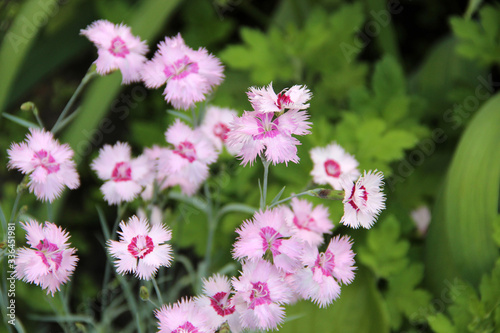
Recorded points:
(221, 130)
(45, 160)
(181, 68)
(303, 223)
(122, 172)
(271, 240)
(283, 100)
(118, 48)
(140, 246)
(259, 294)
(325, 262)
(332, 168)
(361, 195)
(186, 150)
(220, 304)
(50, 254)
(187, 327)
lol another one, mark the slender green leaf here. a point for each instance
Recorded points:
(65, 318)
(236, 207)
(278, 196)
(20, 121)
(182, 115)
(104, 224)
(193, 201)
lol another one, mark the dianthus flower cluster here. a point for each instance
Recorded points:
(267, 130)
(188, 75)
(286, 251)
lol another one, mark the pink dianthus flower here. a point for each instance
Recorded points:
(189, 75)
(48, 164)
(187, 164)
(142, 248)
(363, 200)
(215, 125)
(332, 162)
(217, 304)
(124, 175)
(184, 316)
(156, 177)
(256, 132)
(307, 223)
(117, 48)
(266, 100)
(268, 235)
(320, 279)
(50, 261)
(259, 293)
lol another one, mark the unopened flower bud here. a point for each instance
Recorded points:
(144, 293)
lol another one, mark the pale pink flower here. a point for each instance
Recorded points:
(363, 200)
(117, 48)
(50, 261)
(142, 248)
(306, 223)
(183, 317)
(187, 164)
(48, 164)
(324, 272)
(156, 214)
(189, 75)
(265, 99)
(255, 133)
(259, 295)
(332, 162)
(156, 177)
(217, 305)
(215, 125)
(124, 175)
(422, 218)
(268, 236)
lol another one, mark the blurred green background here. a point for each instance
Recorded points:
(408, 87)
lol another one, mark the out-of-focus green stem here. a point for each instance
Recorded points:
(20, 189)
(88, 76)
(317, 192)
(204, 267)
(157, 290)
(263, 197)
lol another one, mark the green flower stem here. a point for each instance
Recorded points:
(67, 120)
(37, 116)
(130, 300)
(157, 290)
(107, 270)
(317, 192)
(50, 212)
(263, 196)
(20, 189)
(31, 107)
(57, 312)
(119, 214)
(195, 118)
(66, 313)
(86, 79)
(204, 267)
